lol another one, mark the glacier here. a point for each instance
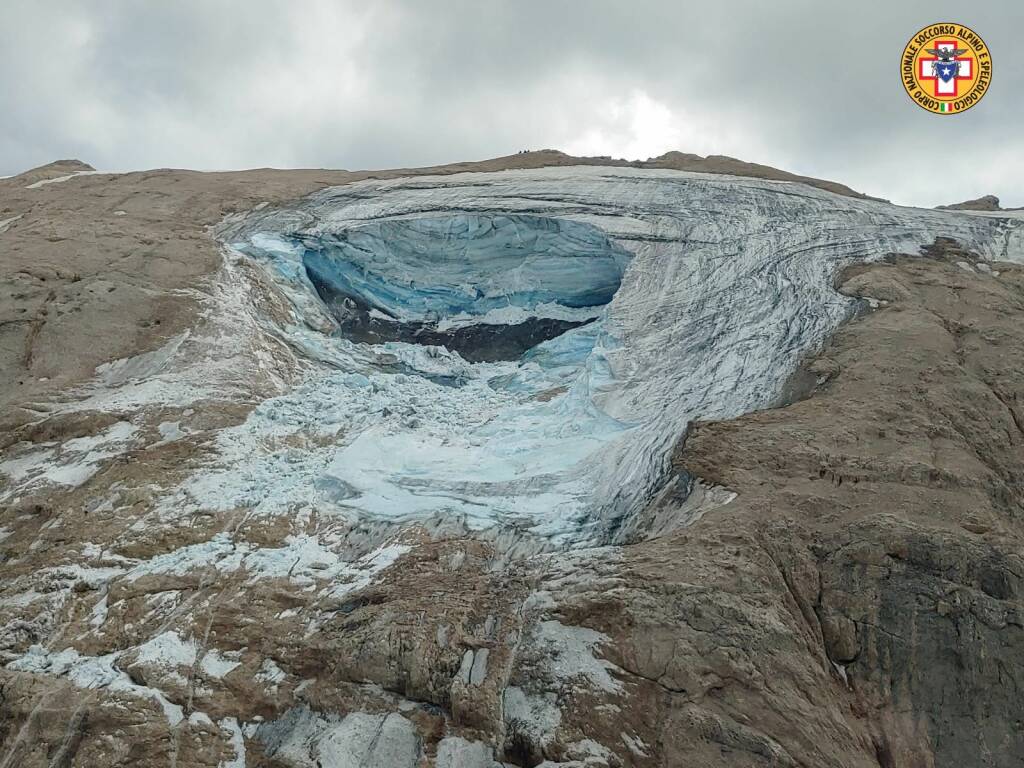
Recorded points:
(625, 305)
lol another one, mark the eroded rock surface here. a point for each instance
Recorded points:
(983, 203)
(888, 516)
(826, 570)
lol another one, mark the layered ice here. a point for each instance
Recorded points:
(627, 303)
(462, 267)
(487, 287)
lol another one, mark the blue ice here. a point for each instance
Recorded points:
(500, 446)
(432, 268)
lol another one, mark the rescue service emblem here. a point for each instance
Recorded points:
(946, 68)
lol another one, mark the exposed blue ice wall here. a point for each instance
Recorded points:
(468, 265)
(489, 287)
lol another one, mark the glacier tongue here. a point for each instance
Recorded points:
(699, 295)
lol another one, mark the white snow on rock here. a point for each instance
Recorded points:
(68, 464)
(306, 739)
(6, 223)
(572, 652)
(92, 672)
(536, 716)
(230, 724)
(270, 675)
(216, 665)
(168, 650)
(99, 613)
(303, 559)
(61, 179)
(169, 432)
(220, 359)
(142, 366)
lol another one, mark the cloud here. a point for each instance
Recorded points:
(811, 87)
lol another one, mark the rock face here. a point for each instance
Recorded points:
(751, 496)
(906, 468)
(984, 203)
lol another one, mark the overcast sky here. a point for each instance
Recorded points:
(812, 87)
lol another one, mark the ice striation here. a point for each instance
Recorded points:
(667, 297)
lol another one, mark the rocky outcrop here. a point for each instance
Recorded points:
(828, 576)
(676, 161)
(984, 203)
(681, 161)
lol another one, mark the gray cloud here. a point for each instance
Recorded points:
(812, 87)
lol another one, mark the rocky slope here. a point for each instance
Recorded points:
(740, 486)
(984, 203)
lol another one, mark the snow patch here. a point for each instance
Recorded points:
(216, 665)
(170, 431)
(303, 559)
(635, 745)
(170, 652)
(60, 179)
(146, 365)
(98, 617)
(230, 724)
(534, 715)
(572, 655)
(92, 672)
(67, 464)
(5, 224)
(270, 675)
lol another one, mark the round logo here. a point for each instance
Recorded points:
(946, 68)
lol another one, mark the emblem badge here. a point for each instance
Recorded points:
(946, 68)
